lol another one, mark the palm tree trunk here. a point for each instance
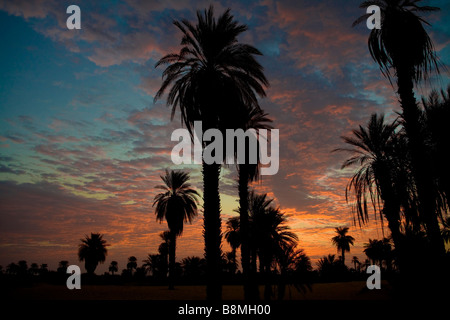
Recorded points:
(244, 227)
(343, 256)
(250, 286)
(172, 250)
(212, 230)
(420, 162)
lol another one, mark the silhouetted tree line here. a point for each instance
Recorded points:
(402, 165)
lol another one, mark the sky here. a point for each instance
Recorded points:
(82, 143)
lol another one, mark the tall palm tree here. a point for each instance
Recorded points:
(92, 251)
(113, 267)
(342, 241)
(403, 45)
(380, 178)
(177, 204)
(213, 79)
(255, 119)
(233, 236)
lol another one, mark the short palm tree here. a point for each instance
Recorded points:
(233, 236)
(92, 251)
(355, 261)
(403, 45)
(342, 241)
(113, 267)
(132, 264)
(177, 204)
(213, 79)
(270, 236)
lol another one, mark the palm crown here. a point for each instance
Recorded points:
(178, 201)
(213, 77)
(402, 41)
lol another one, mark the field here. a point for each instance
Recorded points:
(321, 291)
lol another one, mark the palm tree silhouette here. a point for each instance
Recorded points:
(355, 261)
(62, 266)
(342, 241)
(402, 44)
(132, 264)
(233, 236)
(382, 175)
(213, 79)
(374, 251)
(92, 251)
(163, 250)
(177, 204)
(254, 119)
(113, 267)
(193, 267)
(270, 235)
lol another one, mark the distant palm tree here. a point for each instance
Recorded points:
(163, 250)
(193, 267)
(329, 266)
(34, 269)
(43, 269)
(342, 241)
(62, 266)
(355, 261)
(132, 264)
(374, 251)
(12, 269)
(156, 264)
(92, 251)
(213, 79)
(177, 204)
(23, 267)
(233, 236)
(113, 267)
(402, 44)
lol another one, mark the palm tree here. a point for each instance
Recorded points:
(355, 261)
(402, 44)
(163, 250)
(132, 264)
(329, 266)
(255, 119)
(270, 235)
(233, 236)
(113, 267)
(382, 175)
(213, 79)
(62, 266)
(92, 251)
(193, 267)
(34, 269)
(177, 204)
(342, 241)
